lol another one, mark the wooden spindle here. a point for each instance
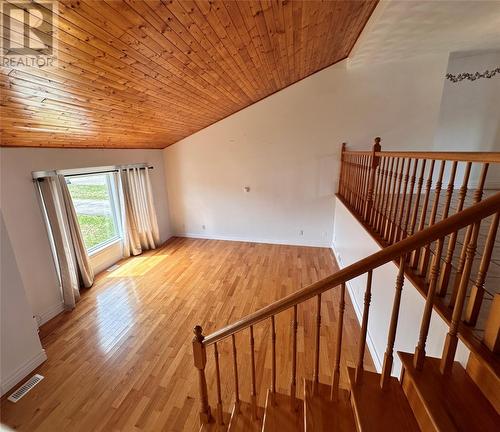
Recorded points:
(293, 381)
(374, 161)
(450, 346)
(357, 180)
(342, 171)
(389, 222)
(383, 177)
(413, 178)
(423, 214)
(364, 328)
(478, 194)
(390, 178)
(477, 292)
(317, 344)
(376, 194)
(419, 357)
(426, 250)
(236, 379)
(253, 395)
(273, 360)
(393, 225)
(399, 225)
(366, 178)
(219, 417)
(391, 338)
(444, 274)
(420, 182)
(334, 393)
(200, 361)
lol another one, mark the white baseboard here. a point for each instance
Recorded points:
(376, 357)
(22, 372)
(49, 313)
(326, 243)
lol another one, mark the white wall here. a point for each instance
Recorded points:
(20, 348)
(469, 117)
(286, 149)
(23, 217)
(351, 243)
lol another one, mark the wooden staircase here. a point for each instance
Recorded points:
(432, 394)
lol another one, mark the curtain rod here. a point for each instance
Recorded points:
(40, 175)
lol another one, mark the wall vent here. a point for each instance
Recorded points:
(25, 388)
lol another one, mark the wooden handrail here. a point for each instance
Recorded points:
(484, 157)
(451, 224)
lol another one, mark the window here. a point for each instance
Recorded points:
(93, 196)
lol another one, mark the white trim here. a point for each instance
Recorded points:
(22, 372)
(359, 314)
(325, 244)
(102, 247)
(50, 313)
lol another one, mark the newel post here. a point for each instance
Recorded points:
(371, 181)
(342, 169)
(200, 361)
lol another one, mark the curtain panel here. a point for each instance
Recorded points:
(71, 254)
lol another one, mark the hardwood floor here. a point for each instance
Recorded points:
(121, 361)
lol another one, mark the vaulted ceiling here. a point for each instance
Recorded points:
(145, 74)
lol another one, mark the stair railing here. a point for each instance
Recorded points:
(470, 217)
(395, 194)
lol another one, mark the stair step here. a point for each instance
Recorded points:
(322, 414)
(214, 427)
(279, 416)
(485, 378)
(446, 402)
(380, 410)
(243, 421)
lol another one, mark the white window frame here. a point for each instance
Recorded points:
(113, 201)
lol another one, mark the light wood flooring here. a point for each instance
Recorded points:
(121, 361)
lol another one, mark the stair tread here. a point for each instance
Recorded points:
(214, 427)
(280, 417)
(380, 410)
(454, 401)
(243, 420)
(322, 414)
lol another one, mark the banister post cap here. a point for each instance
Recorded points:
(377, 140)
(198, 333)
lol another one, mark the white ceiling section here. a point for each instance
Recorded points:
(400, 29)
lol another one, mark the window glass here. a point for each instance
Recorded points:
(95, 208)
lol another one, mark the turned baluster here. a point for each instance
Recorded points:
(342, 171)
(364, 328)
(413, 178)
(450, 346)
(424, 260)
(391, 338)
(374, 161)
(366, 177)
(419, 357)
(219, 418)
(387, 189)
(200, 361)
(478, 194)
(399, 227)
(316, 345)
(253, 395)
(357, 177)
(376, 197)
(273, 360)
(477, 292)
(423, 214)
(293, 382)
(390, 222)
(420, 182)
(236, 380)
(444, 274)
(334, 393)
(383, 173)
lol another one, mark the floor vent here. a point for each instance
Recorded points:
(25, 388)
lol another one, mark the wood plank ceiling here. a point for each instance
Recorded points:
(145, 74)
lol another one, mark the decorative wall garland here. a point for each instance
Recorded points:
(473, 76)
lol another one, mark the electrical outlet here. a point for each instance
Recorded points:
(301, 232)
(204, 226)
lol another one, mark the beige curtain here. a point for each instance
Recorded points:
(72, 258)
(140, 226)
